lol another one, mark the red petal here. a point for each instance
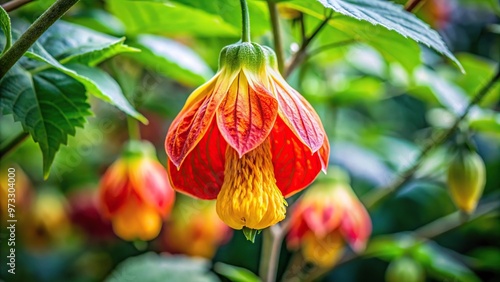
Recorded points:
(115, 188)
(191, 124)
(294, 166)
(247, 115)
(202, 172)
(297, 230)
(356, 227)
(151, 183)
(299, 115)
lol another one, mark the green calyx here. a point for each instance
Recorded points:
(139, 148)
(248, 55)
(250, 234)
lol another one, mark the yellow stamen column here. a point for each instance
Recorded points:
(249, 196)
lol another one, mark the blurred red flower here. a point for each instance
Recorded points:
(135, 193)
(327, 216)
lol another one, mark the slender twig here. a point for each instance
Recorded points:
(412, 4)
(300, 55)
(428, 231)
(33, 33)
(378, 194)
(454, 220)
(245, 22)
(278, 43)
(14, 4)
(13, 143)
(302, 27)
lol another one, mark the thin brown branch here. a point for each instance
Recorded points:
(413, 4)
(278, 42)
(379, 194)
(299, 56)
(14, 4)
(28, 38)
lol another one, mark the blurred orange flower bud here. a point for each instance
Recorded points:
(46, 222)
(15, 189)
(195, 229)
(466, 179)
(135, 193)
(327, 216)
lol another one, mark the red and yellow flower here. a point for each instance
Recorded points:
(328, 216)
(194, 229)
(247, 139)
(135, 193)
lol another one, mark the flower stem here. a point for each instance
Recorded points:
(245, 22)
(378, 195)
(133, 128)
(265, 255)
(33, 33)
(271, 249)
(278, 43)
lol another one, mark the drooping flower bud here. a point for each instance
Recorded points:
(194, 228)
(404, 269)
(135, 193)
(328, 216)
(466, 179)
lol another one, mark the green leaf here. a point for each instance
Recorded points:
(485, 121)
(389, 247)
(5, 23)
(230, 12)
(390, 44)
(171, 59)
(447, 93)
(49, 106)
(487, 258)
(99, 20)
(478, 71)
(96, 81)
(234, 273)
(169, 18)
(86, 46)
(440, 264)
(392, 17)
(362, 89)
(151, 267)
